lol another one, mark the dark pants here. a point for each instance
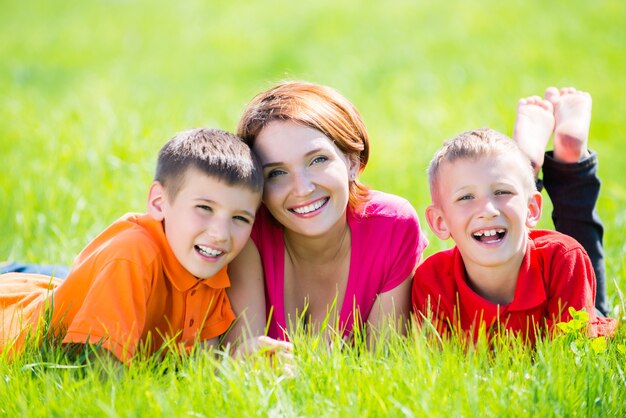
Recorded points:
(574, 189)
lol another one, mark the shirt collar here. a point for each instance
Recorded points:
(529, 291)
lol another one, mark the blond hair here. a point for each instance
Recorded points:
(474, 145)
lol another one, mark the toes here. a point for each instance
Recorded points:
(552, 94)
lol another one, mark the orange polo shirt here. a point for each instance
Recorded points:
(126, 290)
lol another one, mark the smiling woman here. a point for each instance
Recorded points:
(329, 247)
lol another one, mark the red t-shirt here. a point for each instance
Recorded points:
(555, 274)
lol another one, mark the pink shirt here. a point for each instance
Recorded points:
(387, 242)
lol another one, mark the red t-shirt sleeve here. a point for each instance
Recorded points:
(429, 296)
(573, 284)
(114, 310)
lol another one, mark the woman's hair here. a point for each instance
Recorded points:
(315, 106)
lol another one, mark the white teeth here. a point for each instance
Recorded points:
(310, 208)
(489, 232)
(210, 252)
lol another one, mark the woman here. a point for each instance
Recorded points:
(330, 248)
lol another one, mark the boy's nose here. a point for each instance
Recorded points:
(490, 210)
(218, 230)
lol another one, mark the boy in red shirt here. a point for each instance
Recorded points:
(155, 278)
(501, 275)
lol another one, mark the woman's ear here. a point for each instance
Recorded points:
(436, 221)
(156, 201)
(534, 209)
(354, 163)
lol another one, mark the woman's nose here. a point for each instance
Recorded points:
(302, 183)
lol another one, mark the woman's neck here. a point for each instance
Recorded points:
(322, 250)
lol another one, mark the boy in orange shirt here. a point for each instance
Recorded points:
(155, 278)
(501, 275)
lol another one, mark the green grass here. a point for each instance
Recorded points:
(90, 90)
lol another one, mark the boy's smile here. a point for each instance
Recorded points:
(208, 222)
(485, 207)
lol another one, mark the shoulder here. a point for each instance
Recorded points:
(553, 242)
(435, 277)
(383, 205)
(133, 237)
(562, 258)
(439, 264)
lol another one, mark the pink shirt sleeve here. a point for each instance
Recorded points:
(387, 243)
(392, 240)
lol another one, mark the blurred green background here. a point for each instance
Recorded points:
(90, 90)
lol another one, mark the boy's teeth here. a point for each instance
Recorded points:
(309, 208)
(488, 232)
(209, 251)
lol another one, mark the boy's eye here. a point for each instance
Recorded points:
(502, 192)
(241, 219)
(319, 159)
(275, 173)
(465, 197)
(205, 207)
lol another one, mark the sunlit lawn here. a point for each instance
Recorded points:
(90, 90)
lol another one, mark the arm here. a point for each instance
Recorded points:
(391, 307)
(405, 244)
(571, 284)
(113, 312)
(574, 189)
(247, 295)
(433, 295)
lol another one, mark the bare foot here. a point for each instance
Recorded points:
(572, 114)
(534, 123)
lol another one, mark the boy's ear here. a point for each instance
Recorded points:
(534, 210)
(437, 223)
(156, 200)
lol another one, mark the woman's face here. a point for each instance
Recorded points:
(306, 177)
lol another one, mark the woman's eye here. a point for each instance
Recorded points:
(319, 159)
(205, 208)
(502, 192)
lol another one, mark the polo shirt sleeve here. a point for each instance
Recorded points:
(114, 310)
(219, 316)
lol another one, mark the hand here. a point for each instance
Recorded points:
(279, 352)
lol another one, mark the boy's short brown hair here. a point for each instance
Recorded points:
(217, 153)
(476, 144)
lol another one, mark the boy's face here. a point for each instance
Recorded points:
(208, 222)
(486, 207)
